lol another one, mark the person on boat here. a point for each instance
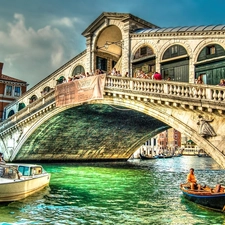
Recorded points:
(2, 161)
(192, 181)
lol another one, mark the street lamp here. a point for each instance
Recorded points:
(118, 43)
(108, 43)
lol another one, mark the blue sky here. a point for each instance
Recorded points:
(39, 36)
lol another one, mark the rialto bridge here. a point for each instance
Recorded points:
(132, 109)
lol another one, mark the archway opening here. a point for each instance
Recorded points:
(109, 49)
(175, 64)
(210, 64)
(143, 62)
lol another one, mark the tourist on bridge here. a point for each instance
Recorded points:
(222, 82)
(157, 76)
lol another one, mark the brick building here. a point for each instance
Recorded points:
(10, 89)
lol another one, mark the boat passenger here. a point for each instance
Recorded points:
(2, 161)
(192, 181)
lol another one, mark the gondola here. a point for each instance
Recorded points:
(165, 156)
(212, 198)
(145, 157)
(203, 155)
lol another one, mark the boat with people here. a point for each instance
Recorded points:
(147, 157)
(212, 198)
(17, 181)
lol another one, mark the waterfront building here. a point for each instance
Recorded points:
(173, 139)
(10, 89)
(167, 141)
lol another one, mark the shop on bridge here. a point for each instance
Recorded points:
(211, 64)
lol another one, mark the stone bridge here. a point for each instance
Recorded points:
(132, 111)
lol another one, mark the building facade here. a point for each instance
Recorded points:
(10, 90)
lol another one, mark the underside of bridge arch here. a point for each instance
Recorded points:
(90, 133)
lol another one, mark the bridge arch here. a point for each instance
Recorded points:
(170, 117)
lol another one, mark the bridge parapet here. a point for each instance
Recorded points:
(192, 95)
(24, 115)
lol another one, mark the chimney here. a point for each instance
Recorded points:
(1, 67)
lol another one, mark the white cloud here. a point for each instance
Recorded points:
(28, 51)
(66, 22)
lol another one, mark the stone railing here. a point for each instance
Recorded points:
(167, 88)
(33, 107)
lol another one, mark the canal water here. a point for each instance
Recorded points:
(129, 193)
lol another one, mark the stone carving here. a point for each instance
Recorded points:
(205, 129)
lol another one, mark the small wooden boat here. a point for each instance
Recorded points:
(203, 155)
(212, 198)
(177, 155)
(162, 156)
(146, 157)
(17, 181)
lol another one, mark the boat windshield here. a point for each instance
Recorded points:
(29, 171)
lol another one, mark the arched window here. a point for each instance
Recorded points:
(144, 51)
(174, 51)
(175, 64)
(211, 51)
(45, 90)
(143, 61)
(210, 64)
(78, 70)
(60, 80)
(33, 98)
(21, 106)
(11, 113)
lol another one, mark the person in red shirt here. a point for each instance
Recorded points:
(157, 76)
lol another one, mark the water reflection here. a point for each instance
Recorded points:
(136, 192)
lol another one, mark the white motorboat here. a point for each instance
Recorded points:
(17, 181)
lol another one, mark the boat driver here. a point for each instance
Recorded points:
(192, 181)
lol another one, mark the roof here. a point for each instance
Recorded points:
(12, 79)
(181, 29)
(116, 16)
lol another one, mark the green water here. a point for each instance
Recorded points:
(136, 192)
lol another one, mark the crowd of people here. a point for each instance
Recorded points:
(199, 80)
(82, 75)
(138, 74)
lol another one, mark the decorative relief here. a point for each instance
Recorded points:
(204, 128)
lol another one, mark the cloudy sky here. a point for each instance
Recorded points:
(39, 36)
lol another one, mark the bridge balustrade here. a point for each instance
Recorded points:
(33, 107)
(175, 89)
